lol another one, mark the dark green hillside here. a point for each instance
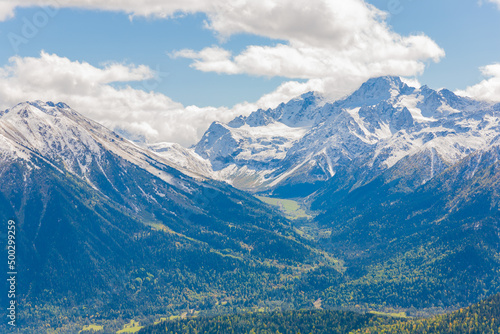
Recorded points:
(317, 322)
(481, 318)
(435, 246)
(83, 254)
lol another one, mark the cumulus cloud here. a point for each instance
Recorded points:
(334, 45)
(322, 38)
(6, 10)
(311, 62)
(89, 90)
(489, 88)
(213, 59)
(341, 42)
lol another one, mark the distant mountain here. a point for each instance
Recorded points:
(291, 150)
(105, 225)
(248, 149)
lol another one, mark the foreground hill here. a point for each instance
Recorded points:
(481, 318)
(292, 322)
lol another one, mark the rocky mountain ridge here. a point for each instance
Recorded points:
(293, 149)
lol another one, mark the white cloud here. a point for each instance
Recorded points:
(212, 59)
(335, 45)
(6, 10)
(321, 38)
(334, 40)
(488, 89)
(88, 90)
(313, 62)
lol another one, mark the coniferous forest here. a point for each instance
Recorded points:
(480, 318)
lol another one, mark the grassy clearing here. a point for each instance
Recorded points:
(160, 321)
(132, 327)
(290, 208)
(394, 315)
(95, 328)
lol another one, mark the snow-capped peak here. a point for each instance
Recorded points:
(376, 90)
(382, 122)
(298, 112)
(69, 141)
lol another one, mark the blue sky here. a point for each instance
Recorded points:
(468, 31)
(98, 37)
(167, 71)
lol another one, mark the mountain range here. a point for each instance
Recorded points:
(289, 151)
(400, 186)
